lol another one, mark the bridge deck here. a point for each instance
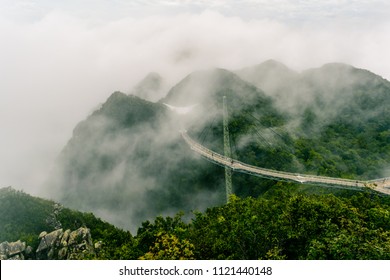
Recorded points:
(380, 185)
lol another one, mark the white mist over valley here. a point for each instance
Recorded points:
(60, 62)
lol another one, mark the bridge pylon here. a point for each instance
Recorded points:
(227, 151)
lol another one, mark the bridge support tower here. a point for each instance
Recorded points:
(227, 151)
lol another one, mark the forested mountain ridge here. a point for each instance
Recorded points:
(339, 111)
(325, 90)
(279, 225)
(127, 159)
(127, 162)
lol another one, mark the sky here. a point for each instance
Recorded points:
(60, 59)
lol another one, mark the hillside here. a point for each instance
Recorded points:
(122, 163)
(337, 117)
(327, 90)
(23, 217)
(279, 225)
(127, 162)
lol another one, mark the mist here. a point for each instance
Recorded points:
(58, 64)
(124, 164)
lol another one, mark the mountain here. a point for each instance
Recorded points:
(271, 76)
(205, 90)
(201, 86)
(151, 88)
(338, 112)
(114, 157)
(127, 162)
(328, 89)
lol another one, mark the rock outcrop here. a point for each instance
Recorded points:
(56, 245)
(65, 245)
(14, 250)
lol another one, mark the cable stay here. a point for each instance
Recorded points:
(259, 128)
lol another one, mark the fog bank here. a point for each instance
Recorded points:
(57, 66)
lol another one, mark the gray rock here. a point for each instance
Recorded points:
(49, 240)
(12, 250)
(42, 234)
(67, 244)
(4, 249)
(65, 238)
(58, 244)
(81, 234)
(16, 248)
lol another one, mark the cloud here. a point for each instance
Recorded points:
(280, 10)
(57, 65)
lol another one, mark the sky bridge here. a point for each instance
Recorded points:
(381, 185)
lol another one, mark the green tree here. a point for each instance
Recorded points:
(169, 247)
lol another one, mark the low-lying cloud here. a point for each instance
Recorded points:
(55, 69)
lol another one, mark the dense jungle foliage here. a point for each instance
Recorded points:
(280, 225)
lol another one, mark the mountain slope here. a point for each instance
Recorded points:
(348, 116)
(23, 217)
(127, 162)
(329, 88)
(337, 116)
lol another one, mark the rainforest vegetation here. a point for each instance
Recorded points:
(281, 225)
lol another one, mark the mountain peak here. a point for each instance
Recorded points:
(202, 85)
(151, 88)
(334, 67)
(337, 65)
(152, 80)
(271, 63)
(271, 76)
(342, 73)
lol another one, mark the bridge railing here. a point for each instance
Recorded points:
(239, 166)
